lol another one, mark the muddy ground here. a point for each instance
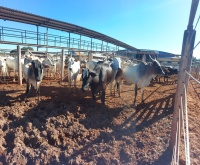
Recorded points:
(70, 128)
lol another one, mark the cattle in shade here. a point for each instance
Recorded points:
(33, 73)
(103, 74)
(140, 74)
(168, 73)
(52, 67)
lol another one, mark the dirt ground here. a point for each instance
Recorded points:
(71, 128)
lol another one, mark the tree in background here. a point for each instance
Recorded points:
(23, 50)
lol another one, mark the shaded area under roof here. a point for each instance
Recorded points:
(28, 18)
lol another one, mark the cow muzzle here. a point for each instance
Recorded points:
(84, 88)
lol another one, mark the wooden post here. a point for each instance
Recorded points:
(19, 65)
(90, 56)
(144, 57)
(62, 65)
(185, 63)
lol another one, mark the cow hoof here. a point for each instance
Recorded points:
(134, 106)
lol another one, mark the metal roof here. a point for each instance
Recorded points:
(28, 18)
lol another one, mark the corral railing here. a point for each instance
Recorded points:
(183, 118)
(19, 36)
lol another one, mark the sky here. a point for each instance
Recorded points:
(147, 24)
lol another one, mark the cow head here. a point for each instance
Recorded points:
(37, 69)
(157, 69)
(49, 62)
(70, 63)
(86, 78)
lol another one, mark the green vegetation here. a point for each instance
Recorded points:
(23, 49)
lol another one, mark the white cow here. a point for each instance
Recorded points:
(33, 74)
(52, 69)
(73, 71)
(3, 68)
(12, 64)
(58, 63)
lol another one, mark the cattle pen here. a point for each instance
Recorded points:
(68, 127)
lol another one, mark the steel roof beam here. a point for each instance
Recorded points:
(28, 18)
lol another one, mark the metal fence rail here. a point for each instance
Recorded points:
(44, 39)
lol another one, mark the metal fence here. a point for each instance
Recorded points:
(27, 37)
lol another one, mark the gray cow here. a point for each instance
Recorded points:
(140, 74)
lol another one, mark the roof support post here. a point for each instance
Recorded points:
(107, 47)
(80, 43)
(69, 41)
(102, 45)
(47, 39)
(19, 65)
(62, 64)
(37, 39)
(91, 45)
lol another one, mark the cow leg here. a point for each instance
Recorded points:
(136, 88)
(111, 89)
(38, 94)
(70, 83)
(115, 86)
(74, 84)
(118, 88)
(142, 93)
(14, 76)
(103, 97)
(28, 89)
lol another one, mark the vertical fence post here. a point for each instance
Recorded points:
(19, 65)
(37, 39)
(90, 56)
(47, 39)
(144, 58)
(62, 65)
(185, 63)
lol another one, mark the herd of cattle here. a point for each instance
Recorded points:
(96, 75)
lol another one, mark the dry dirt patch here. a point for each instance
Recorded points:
(70, 128)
